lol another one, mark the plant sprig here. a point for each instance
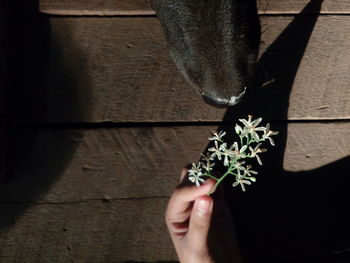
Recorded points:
(251, 137)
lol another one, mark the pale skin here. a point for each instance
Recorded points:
(200, 225)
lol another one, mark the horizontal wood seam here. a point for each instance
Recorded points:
(152, 14)
(107, 125)
(106, 200)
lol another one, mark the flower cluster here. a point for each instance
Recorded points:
(251, 137)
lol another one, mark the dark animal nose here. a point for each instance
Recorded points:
(214, 44)
(222, 102)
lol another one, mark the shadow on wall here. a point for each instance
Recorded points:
(35, 157)
(289, 216)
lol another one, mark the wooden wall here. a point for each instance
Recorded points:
(105, 122)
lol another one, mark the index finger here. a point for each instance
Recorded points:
(180, 201)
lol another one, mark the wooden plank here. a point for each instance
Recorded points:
(305, 143)
(143, 7)
(100, 195)
(78, 165)
(107, 163)
(295, 6)
(114, 231)
(99, 8)
(118, 69)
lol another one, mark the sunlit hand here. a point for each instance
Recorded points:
(189, 220)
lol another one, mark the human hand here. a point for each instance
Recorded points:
(188, 217)
(197, 235)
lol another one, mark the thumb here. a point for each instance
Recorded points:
(200, 222)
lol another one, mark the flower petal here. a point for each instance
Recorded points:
(258, 159)
(245, 122)
(246, 182)
(267, 127)
(235, 184)
(255, 136)
(226, 160)
(260, 129)
(256, 122)
(238, 129)
(243, 149)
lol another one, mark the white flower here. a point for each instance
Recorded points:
(216, 150)
(226, 154)
(241, 182)
(195, 174)
(233, 157)
(268, 133)
(207, 165)
(239, 167)
(195, 169)
(196, 179)
(249, 123)
(207, 157)
(240, 152)
(233, 153)
(217, 137)
(255, 151)
(251, 127)
(248, 172)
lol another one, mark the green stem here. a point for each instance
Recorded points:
(247, 139)
(211, 176)
(229, 171)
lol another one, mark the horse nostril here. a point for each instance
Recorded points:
(222, 102)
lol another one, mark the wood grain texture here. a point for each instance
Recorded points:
(143, 7)
(112, 163)
(320, 89)
(70, 166)
(99, 195)
(100, 8)
(118, 69)
(295, 6)
(96, 232)
(313, 145)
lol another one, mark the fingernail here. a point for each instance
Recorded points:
(203, 206)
